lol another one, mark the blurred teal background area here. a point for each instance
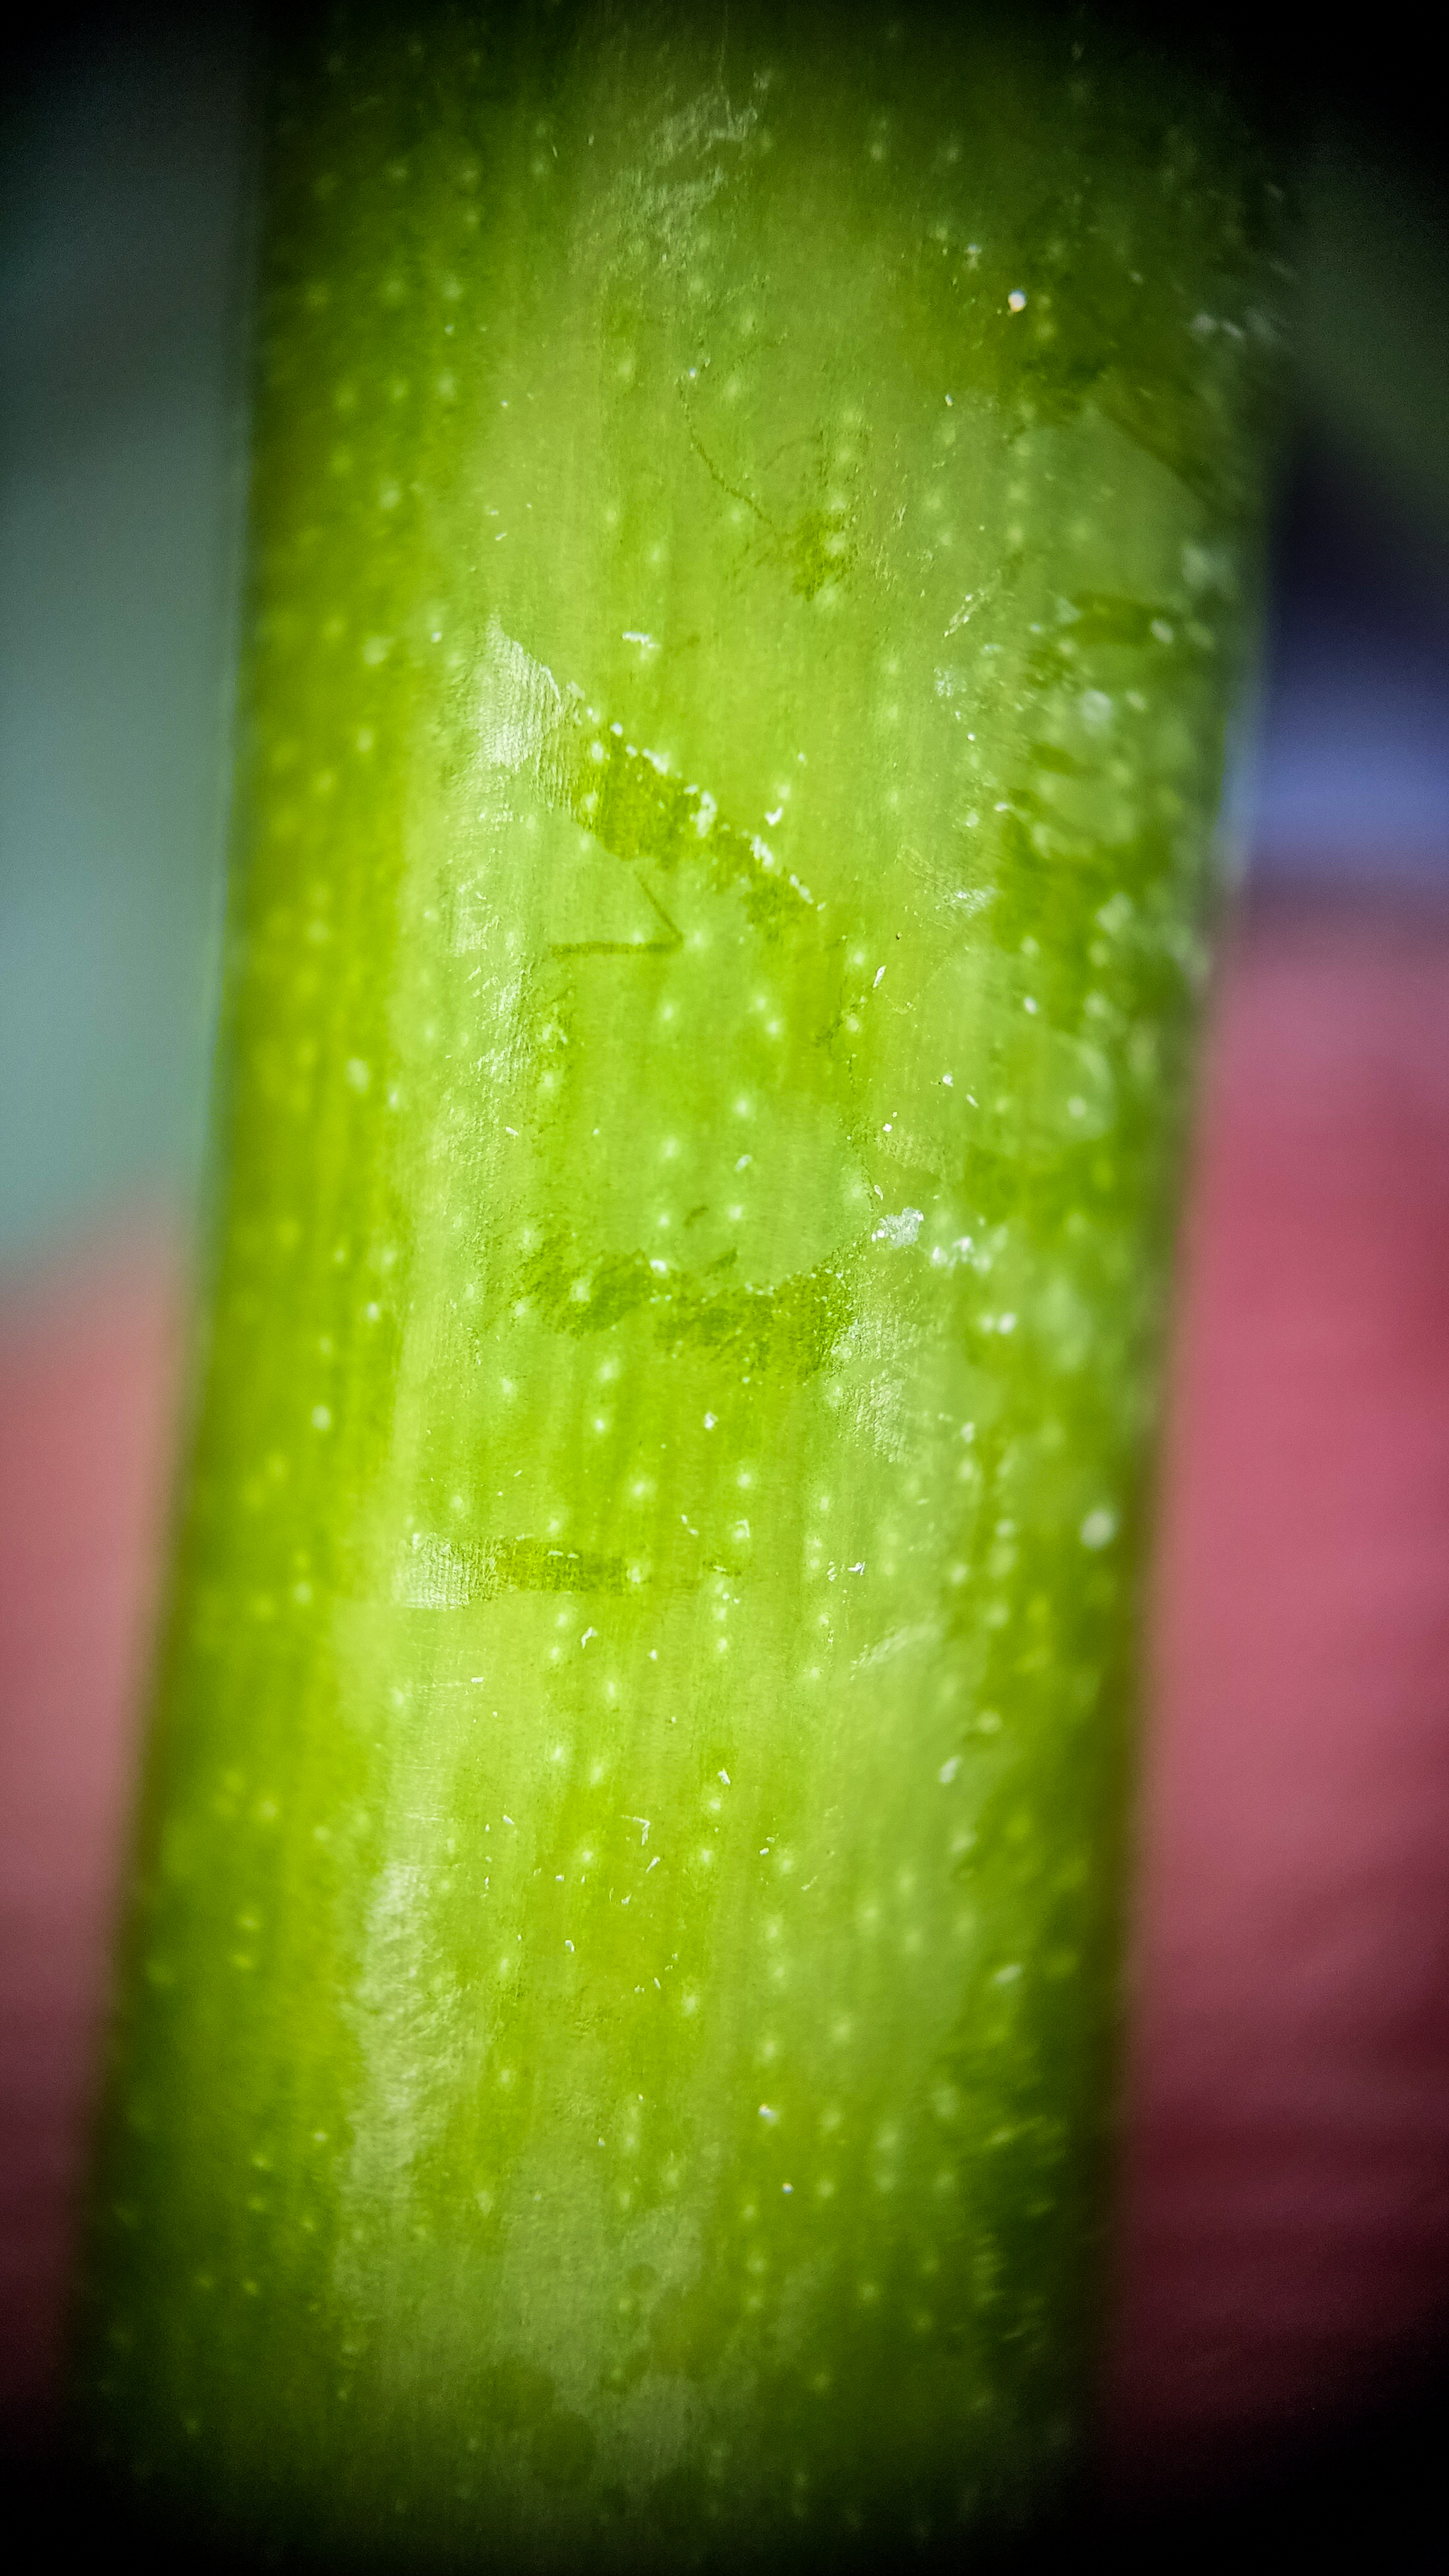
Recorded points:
(124, 229)
(122, 297)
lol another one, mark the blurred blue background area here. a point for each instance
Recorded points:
(124, 223)
(1347, 782)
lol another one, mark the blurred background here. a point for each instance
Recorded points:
(1282, 2311)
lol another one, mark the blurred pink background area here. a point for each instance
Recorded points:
(1284, 2237)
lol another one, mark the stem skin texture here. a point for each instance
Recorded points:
(614, 2063)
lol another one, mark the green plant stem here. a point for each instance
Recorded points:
(748, 527)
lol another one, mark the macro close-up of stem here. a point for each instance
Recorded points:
(753, 544)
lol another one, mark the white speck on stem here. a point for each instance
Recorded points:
(1098, 1528)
